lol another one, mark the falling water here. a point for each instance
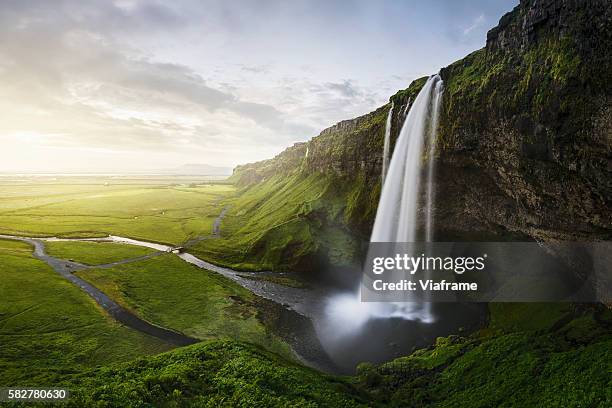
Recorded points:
(396, 218)
(405, 110)
(431, 163)
(387, 143)
(347, 319)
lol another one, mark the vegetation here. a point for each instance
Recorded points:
(565, 366)
(286, 223)
(49, 329)
(297, 214)
(167, 291)
(410, 92)
(303, 209)
(532, 87)
(569, 366)
(94, 253)
(218, 374)
(169, 213)
(513, 317)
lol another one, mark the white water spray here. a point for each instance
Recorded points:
(396, 217)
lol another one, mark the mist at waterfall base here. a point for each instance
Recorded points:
(352, 331)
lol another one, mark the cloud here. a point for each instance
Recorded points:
(76, 86)
(255, 69)
(345, 89)
(476, 23)
(229, 81)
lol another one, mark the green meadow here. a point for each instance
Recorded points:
(169, 210)
(169, 292)
(53, 334)
(95, 253)
(50, 329)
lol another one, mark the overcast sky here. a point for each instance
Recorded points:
(132, 85)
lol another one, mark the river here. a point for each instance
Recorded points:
(320, 337)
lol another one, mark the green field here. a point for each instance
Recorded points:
(50, 329)
(51, 333)
(168, 210)
(566, 367)
(95, 253)
(167, 291)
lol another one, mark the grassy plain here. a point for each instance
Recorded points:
(49, 329)
(168, 210)
(166, 290)
(95, 253)
(53, 334)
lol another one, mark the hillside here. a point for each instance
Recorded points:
(565, 364)
(524, 153)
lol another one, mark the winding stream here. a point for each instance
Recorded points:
(314, 333)
(67, 269)
(306, 302)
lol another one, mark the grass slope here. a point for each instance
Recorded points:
(95, 253)
(565, 367)
(217, 374)
(287, 223)
(311, 206)
(568, 366)
(50, 329)
(166, 290)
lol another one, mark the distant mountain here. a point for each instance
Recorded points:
(192, 169)
(199, 169)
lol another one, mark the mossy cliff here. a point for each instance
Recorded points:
(525, 142)
(526, 126)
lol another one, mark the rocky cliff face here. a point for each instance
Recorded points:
(525, 134)
(525, 127)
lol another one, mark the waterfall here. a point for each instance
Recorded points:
(396, 218)
(405, 110)
(387, 143)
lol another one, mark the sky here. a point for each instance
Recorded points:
(133, 85)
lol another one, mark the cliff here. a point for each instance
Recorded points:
(526, 125)
(525, 140)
